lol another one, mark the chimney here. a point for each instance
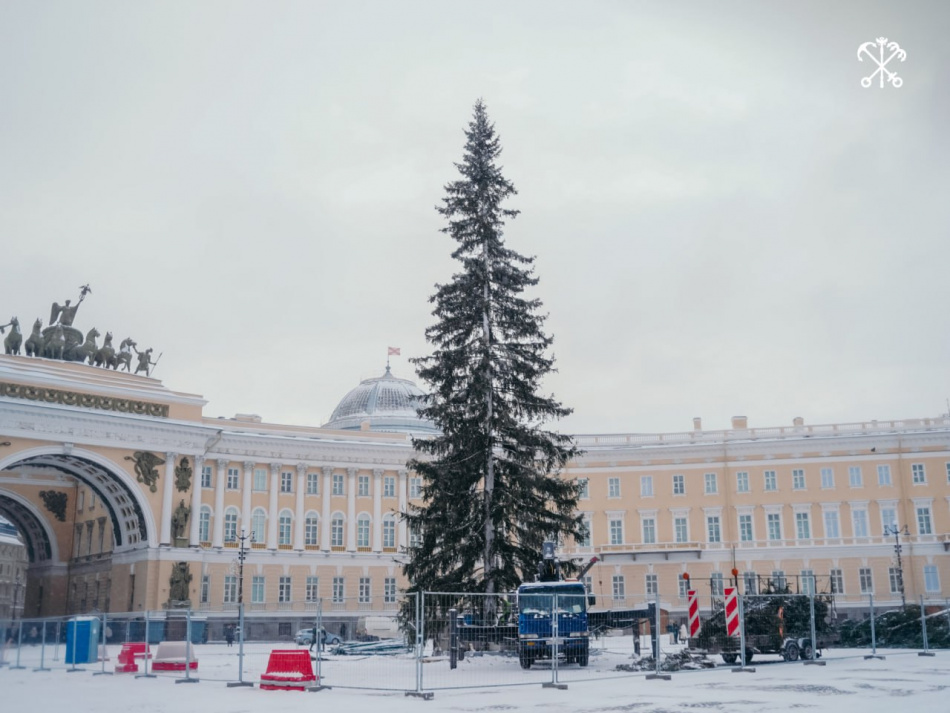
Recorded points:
(697, 424)
(798, 421)
(740, 422)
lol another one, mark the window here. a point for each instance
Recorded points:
(855, 480)
(206, 476)
(771, 482)
(336, 530)
(258, 525)
(204, 524)
(415, 536)
(234, 479)
(284, 528)
(681, 529)
(683, 587)
(837, 581)
(894, 578)
(338, 593)
(313, 483)
(283, 589)
(931, 578)
(774, 522)
(616, 532)
(715, 584)
(859, 518)
(365, 591)
(613, 487)
(918, 475)
(583, 539)
(230, 524)
(389, 487)
(711, 486)
(389, 532)
(257, 589)
(888, 519)
(362, 486)
(866, 581)
(313, 589)
(750, 583)
(802, 526)
(81, 500)
(338, 484)
(583, 488)
(713, 532)
(646, 486)
(230, 588)
(742, 482)
(778, 579)
(808, 581)
(205, 587)
(415, 487)
(362, 531)
(286, 482)
(745, 528)
(260, 479)
(389, 590)
(311, 530)
(618, 588)
(827, 478)
(651, 584)
(884, 475)
(679, 483)
(924, 526)
(798, 479)
(649, 531)
(832, 529)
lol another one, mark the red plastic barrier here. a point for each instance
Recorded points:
(288, 670)
(131, 650)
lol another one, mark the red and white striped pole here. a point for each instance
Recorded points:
(693, 601)
(732, 611)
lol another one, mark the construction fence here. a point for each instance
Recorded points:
(444, 640)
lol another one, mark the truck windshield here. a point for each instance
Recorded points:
(541, 600)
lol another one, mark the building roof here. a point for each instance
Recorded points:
(384, 403)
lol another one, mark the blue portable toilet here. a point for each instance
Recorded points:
(82, 640)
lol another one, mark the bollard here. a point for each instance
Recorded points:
(923, 630)
(873, 654)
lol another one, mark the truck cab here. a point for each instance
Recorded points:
(552, 621)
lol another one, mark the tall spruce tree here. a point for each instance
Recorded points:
(491, 485)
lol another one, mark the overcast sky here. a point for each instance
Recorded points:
(725, 222)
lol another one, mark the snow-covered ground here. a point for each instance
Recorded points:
(847, 684)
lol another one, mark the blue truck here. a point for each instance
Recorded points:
(552, 620)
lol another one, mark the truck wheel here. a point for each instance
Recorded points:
(525, 660)
(730, 658)
(584, 657)
(808, 652)
(792, 652)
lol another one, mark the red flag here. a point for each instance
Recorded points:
(393, 351)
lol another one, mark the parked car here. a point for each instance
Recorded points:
(304, 637)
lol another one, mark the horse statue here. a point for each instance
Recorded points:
(34, 344)
(87, 350)
(14, 339)
(55, 343)
(124, 356)
(106, 355)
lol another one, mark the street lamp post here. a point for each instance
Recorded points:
(897, 532)
(243, 541)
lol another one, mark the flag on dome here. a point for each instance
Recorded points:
(393, 351)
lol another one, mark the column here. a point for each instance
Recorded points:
(377, 510)
(167, 486)
(351, 509)
(403, 507)
(325, 519)
(246, 498)
(194, 534)
(273, 514)
(299, 513)
(217, 539)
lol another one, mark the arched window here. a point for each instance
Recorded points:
(259, 525)
(204, 524)
(311, 529)
(389, 532)
(285, 526)
(362, 531)
(336, 530)
(230, 524)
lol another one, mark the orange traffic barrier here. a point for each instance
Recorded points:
(288, 670)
